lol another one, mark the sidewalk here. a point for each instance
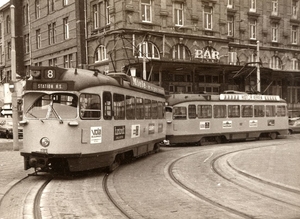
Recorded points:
(11, 165)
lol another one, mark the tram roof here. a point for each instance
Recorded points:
(82, 78)
(226, 97)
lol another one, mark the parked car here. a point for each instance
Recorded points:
(6, 129)
(294, 125)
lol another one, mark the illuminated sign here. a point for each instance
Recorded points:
(139, 83)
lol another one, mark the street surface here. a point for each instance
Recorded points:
(252, 179)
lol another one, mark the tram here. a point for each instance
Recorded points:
(203, 119)
(76, 119)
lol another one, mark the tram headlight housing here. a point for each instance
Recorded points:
(45, 142)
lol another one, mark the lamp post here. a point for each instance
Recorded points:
(13, 74)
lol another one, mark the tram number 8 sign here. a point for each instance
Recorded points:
(49, 74)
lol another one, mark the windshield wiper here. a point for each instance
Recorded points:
(55, 113)
(35, 117)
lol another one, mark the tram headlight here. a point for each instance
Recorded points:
(45, 142)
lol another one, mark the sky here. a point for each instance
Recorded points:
(2, 2)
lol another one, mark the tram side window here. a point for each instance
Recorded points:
(259, 111)
(160, 110)
(130, 107)
(107, 111)
(139, 108)
(119, 106)
(234, 111)
(192, 111)
(205, 111)
(281, 110)
(154, 109)
(179, 112)
(90, 107)
(247, 111)
(220, 111)
(147, 109)
(270, 111)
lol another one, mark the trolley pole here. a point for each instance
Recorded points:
(258, 68)
(13, 74)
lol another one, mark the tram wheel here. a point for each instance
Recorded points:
(115, 164)
(273, 135)
(202, 141)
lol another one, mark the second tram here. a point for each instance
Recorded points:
(204, 118)
(76, 119)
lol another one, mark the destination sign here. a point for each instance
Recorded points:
(55, 86)
(50, 86)
(252, 97)
(139, 83)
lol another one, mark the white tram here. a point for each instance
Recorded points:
(203, 118)
(77, 119)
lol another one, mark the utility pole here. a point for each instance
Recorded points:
(14, 101)
(258, 69)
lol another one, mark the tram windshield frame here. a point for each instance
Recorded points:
(44, 106)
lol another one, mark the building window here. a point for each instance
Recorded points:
(276, 63)
(275, 7)
(107, 15)
(25, 14)
(65, 2)
(101, 16)
(100, 54)
(146, 10)
(229, 3)
(275, 29)
(208, 17)
(53, 62)
(295, 64)
(96, 16)
(37, 9)
(51, 33)
(50, 6)
(38, 38)
(294, 34)
(252, 5)
(252, 24)
(26, 43)
(149, 50)
(7, 24)
(294, 8)
(230, 26)
(66, 28)
(68, 59)
(181, 52)
(178, 14)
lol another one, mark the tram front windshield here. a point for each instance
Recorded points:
(51, 106)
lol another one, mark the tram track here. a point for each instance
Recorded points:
(224, 184)
(112, 199)
(197, 194)
(22, 200)
(222, 166)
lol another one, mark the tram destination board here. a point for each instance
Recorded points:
(60, 86)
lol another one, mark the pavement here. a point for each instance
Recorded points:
(11, 165)
(278, 164)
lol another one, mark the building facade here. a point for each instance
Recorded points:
(185, 46)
